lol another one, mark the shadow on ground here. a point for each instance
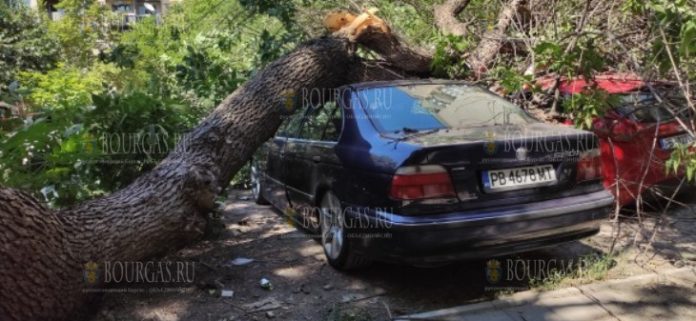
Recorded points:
(304, 286)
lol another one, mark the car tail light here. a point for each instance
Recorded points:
(589, 166)
(599, 127)
(623, 131)
(419, 182)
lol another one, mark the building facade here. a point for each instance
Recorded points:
(131, 10)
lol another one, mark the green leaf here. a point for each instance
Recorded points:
(687, 47)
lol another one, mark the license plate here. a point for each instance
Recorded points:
(671, 142)
(518, 178)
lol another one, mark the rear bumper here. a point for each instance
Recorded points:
(463, 235)
(630, 190)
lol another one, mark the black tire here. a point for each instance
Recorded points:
(338, 248)
(256, 185)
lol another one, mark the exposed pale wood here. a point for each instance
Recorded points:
(446, 14)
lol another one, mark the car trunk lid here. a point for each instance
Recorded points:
(499, 165)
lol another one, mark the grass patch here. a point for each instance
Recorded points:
(589, 268)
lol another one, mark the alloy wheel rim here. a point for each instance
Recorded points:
(332, 231)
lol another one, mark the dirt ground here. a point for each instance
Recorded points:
(304, 287)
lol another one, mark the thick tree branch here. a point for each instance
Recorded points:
(446, 17)
(367, 70)
(44, 252)
(372, 32)
(492, 40)
(400, 56)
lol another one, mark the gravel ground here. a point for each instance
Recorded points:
(304, 287)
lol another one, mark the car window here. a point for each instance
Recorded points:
(335, 124)
(283, 126)
(316, 121)
(293, 124)
(438, 106)
(644, 107)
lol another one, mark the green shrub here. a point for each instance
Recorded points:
(24, 44)
(66, 88)
(70, 154)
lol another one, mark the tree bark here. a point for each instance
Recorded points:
(44, 252)
(410, 60)
(492, 40)
(446, 17)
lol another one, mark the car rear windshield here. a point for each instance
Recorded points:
(437, 106)
(645, 107)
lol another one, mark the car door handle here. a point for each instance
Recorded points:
(316, 159)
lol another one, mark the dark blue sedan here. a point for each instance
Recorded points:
(426, 172)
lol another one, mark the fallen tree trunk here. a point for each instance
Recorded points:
(44, 252)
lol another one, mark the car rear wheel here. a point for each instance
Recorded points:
(256, 185)
(337, 246)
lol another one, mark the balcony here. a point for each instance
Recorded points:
(130, 12)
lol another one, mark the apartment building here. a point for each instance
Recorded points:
(131, 10)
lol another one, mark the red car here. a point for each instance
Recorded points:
(637, 135)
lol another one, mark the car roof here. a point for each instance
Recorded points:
(610, 83)
(405, 82)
